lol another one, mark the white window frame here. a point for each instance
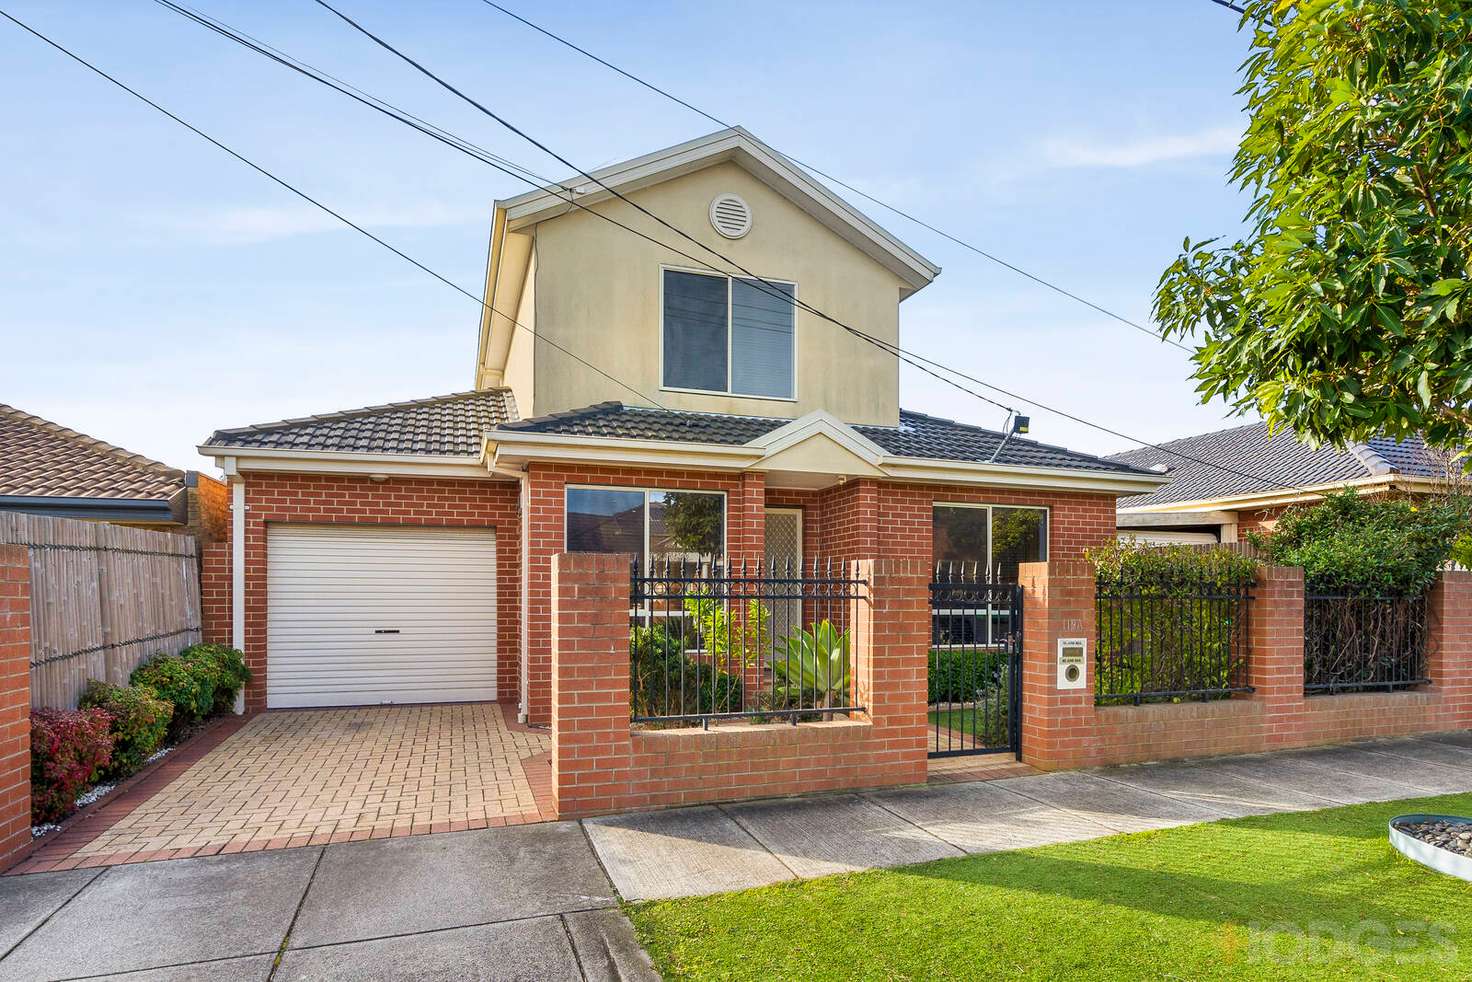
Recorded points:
(730, 361)
(647, 491)
(987, 507)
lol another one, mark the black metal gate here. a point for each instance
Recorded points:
(975, 684)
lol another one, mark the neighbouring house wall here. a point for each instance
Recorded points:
(356, 500)
(600, 764)
(1063, 728)
(208, 508)
(15, 703)
(598, 290)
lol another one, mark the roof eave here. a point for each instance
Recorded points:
(235, 460)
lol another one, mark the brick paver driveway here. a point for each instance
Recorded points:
(296, 777)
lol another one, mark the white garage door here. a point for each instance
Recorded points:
(360, 615)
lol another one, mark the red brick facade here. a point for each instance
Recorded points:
(1065, 729)
(15, 702)
(357, 500)
(601, 765)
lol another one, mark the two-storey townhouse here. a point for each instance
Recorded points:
(402, 553)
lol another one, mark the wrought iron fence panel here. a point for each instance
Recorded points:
(1170, 639)
(755, 641)
(1363, 644)
(975, 671)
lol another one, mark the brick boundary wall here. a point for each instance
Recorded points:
(1064, 729)
(351, 499)
(601, 765)
(15, 702)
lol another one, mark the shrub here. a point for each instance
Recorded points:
(185, 684)
(1392, 547)
(69, 749)
(963, 674)
(664, 681)
(139, 721)
(226, 668)
(1168, 570)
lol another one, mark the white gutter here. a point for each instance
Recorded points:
(1287, 496)
(331, 462)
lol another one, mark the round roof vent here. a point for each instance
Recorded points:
(730, 215)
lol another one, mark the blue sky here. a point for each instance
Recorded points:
(152, 289)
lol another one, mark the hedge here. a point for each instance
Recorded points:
(140, 719)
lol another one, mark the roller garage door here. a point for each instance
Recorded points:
(363, 615)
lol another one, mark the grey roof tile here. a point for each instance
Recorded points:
(918, 435)
(1247, 460)
(449, 425)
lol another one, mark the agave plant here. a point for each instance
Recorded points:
(815, 665)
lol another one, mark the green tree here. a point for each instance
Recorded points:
(1344, 311)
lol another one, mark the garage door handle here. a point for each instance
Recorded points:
(386, 630)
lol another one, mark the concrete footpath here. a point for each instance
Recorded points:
(712, 849)
(539, 901)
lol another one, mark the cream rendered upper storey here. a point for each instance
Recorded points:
(671, 328)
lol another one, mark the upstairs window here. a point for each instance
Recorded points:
(728, 334)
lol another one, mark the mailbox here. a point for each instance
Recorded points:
(1072, 667)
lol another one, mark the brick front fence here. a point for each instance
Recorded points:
(15, 702)
(600, 764)
(1065, 729)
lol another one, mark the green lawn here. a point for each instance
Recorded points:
(1310, 895)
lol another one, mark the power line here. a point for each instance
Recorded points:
(311, 200)
(895, 349)
(957, 240)
(518, 172)
(1219, 3)
(428, 128)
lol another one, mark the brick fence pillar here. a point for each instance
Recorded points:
(1449, 654)
(1058, 725)
(889, 628)
(15, 702)
(1275, 653)
(591, 742)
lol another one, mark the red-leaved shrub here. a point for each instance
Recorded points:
(68, 749)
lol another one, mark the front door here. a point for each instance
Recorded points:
(784, 561)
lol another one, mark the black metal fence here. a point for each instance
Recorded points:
(975, 670)
(761, 642)
(1170, 639)
(1363, 644)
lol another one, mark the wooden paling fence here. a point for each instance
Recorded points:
(103, 599)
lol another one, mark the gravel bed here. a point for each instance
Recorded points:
(1455, 837)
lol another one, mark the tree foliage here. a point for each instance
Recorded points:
(1344, 311)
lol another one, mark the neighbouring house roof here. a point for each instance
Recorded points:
(40, 459)
(1249, 461)
(918, 435)
(452, 425)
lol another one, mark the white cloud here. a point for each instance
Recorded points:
(251, 225)
(1075, 152)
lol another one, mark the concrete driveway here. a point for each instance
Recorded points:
(529, 902)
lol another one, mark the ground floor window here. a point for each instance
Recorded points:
(663, 525)
(988, 543)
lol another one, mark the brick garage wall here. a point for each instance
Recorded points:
(600, 765)
(214, 590)
(15, 703)
(209, 508)
(356, 500)
(1063, 729)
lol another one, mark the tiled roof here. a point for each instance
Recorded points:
(1246, 460)
(918, 435)
(447, 426)
(41, 459)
